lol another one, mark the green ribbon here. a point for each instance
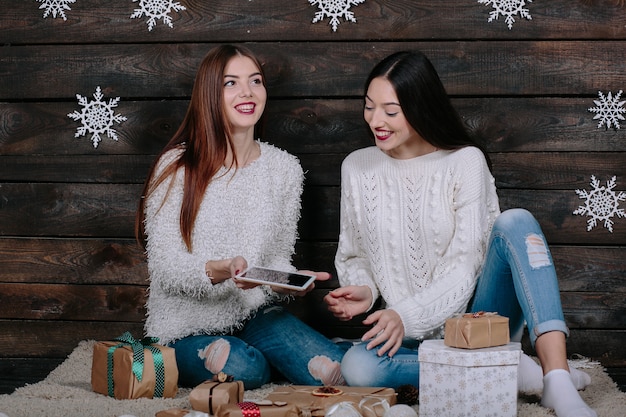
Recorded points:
(138, 347)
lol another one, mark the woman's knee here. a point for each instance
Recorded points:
(359, 366)
(512, 218)
(201, 357)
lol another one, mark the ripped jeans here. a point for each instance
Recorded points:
(272, 338)
(518, 280)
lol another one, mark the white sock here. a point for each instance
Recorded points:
(530, 376)
(560, 394)
(580, 378)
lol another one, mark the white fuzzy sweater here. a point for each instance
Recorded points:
(415, 231)
(252, 212)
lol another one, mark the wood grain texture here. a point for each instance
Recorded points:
(301, 126)
(335, 69)
(282, 20)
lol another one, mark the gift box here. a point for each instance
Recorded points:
(309, 401)
(125, 368)
(209, 395)
(477, 382)
(367, 407)
(258, 409)
(477, 330)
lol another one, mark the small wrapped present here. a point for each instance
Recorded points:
(367, 407)
(473, 382)
(373, 407)
(209, 395)
(263, 408)
(477, 330)
(180, 412)
(315, 401)
(125, 368)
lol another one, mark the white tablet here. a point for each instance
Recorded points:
(290, 280)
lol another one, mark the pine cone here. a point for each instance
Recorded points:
(407, 394)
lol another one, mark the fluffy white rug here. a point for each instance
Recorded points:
(66, 392)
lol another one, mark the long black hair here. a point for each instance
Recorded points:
(424, 101)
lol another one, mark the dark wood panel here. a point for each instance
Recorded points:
(109, 21)
(119, 169)
(108, 210)
(72, 261)
(558, 171)
(92, 210)
(45, 128)
(528, 170)
(594, 310)
(56, 339)
(321, 69)
(302, 126)
(606, 346)
(72, 302)
(523, 124)
(590, 269)
(554, 211)
(17, 372)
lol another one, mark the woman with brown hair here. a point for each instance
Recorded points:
(216, 200)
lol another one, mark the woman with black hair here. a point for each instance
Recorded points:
(421, 227)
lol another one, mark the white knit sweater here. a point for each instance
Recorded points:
(252, 212)
(415, 231)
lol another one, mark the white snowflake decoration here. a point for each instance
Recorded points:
(508, 8)
(335, 9)
(97, 117)
(601, 203)
(157, 9)
(609, 110)
(55, 7)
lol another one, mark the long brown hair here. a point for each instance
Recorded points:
(204, 137)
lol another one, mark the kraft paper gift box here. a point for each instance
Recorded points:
(477, 330)
(125, 368)
(263, 408)
(302, 396)
(478, 382)
(209, 395)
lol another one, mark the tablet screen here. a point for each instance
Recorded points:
(292, 280)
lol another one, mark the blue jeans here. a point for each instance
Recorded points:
(272, 338)
(518, 280)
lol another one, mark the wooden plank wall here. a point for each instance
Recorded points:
(69, 267)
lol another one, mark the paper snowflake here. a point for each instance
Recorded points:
(601, 203)
(157, 9)
(335, 9)
(508, 8)
(55, 7)
(609, 110)
(97, 117)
